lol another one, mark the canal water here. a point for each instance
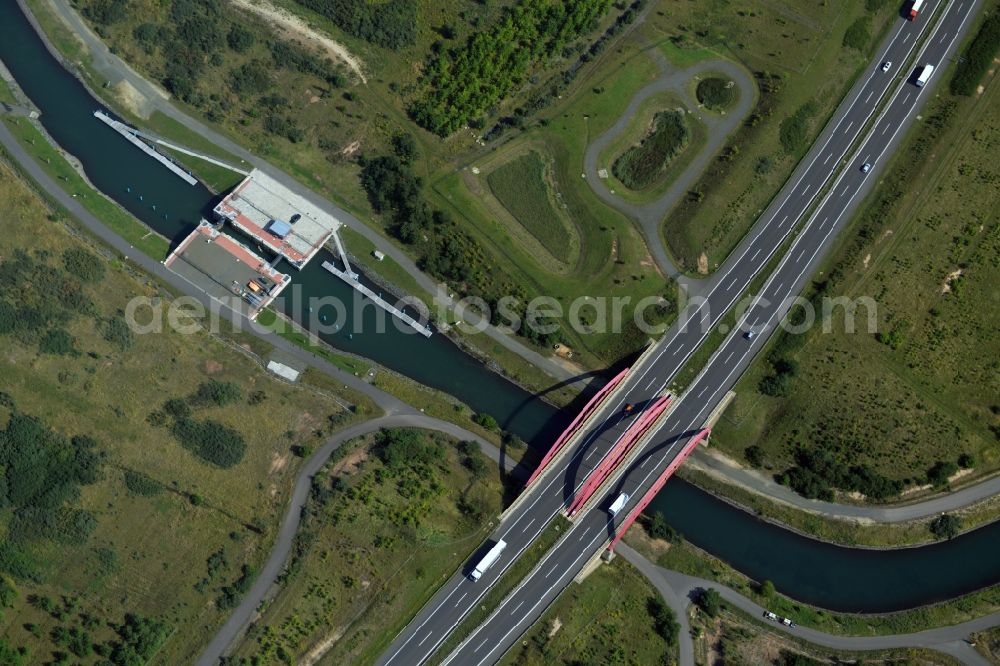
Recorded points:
(824, 575)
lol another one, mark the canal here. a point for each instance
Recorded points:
(829, 576)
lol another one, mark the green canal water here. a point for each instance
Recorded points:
(832, 577)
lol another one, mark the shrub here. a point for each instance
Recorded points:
(210, 440)
(659, 529)
(939, 474)
(118, 333)
(250, 77)
(401, 449)
(217, 393)
(639, 166)
(715, 93)
(84, 265)
(58, 342)
(486, 421)
(754, 455)
(978, 58)
(794, 130)
(966, 461)
(405, 147)
(945, 526)
(664, 620)
(857, 35)
(239, 38)
(709, 601)
(389, 23)
(140, 484)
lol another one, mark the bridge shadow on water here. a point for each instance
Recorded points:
(654, 453)
(615, 426)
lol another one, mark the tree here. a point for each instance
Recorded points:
(945, 526)
(939, 474)
(239, 38)
(486, 421)
(767, 589)
(405, 147)
(664, 620)
(754, 455)
(709, 601)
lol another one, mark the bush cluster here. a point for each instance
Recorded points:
(640, 166)
(794, 130)
(388, 23)
(715, 93)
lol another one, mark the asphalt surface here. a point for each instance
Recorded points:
(650, 215)
(678, 590)
(591, 530)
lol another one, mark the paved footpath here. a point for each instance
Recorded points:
(678, 589)
(650, 215)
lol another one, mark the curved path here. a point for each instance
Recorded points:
(673, 80)
(761, 484)
(677, 590)
(650, 215)
(261, 590)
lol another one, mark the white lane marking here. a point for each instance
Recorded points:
(823, 223)
(551, 571)
(425, 638)
(702, 392)
(800, 256)
(530, 522)
(460, 599)
(828, 158)
(730, 356)
(887, 126)
(907, 98)
(651, 382)
(733, 283)
(736, 262)
(677, 351)
(942, 37)
(906, 37)
(818, 249)
(783, 220)
(481, 644)
(644, 463)
(844, 191)
(851, 124)
(517, 606)
(755, 254)
(869, 96)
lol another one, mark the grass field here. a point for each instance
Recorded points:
(378, 537)
(923, 388)
(109, 212)
(606, 619)
(521, 186)
(148, 553)
(613, 259)
(801, 45)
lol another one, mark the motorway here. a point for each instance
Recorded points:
(819, 174)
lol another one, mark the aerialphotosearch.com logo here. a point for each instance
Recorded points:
(543, 318)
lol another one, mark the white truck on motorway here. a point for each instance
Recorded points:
(915, 9)
(618, 504)
(925, 74)
(488, 560)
